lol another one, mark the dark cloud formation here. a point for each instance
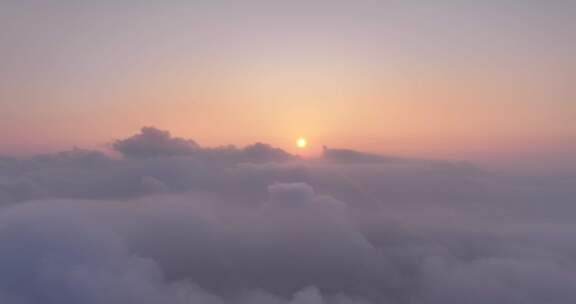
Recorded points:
(153, 161)
(257, 225)
(153, 142)
(156, 143)
(353, 156)
(347, 155)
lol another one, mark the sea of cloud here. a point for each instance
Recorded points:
(166, 220)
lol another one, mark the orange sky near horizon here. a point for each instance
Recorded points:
(437, 81)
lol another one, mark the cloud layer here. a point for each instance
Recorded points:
(174, 222)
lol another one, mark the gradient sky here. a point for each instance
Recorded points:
(488, 81)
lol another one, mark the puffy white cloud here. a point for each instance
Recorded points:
(295, 248)
(102, 252)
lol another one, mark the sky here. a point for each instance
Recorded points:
(486, 81)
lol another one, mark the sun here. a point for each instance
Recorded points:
(301, 143)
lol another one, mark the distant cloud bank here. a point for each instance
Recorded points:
(171, 221)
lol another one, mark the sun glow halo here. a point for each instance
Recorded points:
(301, 143)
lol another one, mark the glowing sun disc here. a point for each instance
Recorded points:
(301, 143)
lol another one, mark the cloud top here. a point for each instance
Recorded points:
(153, 142)
(174, 222)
